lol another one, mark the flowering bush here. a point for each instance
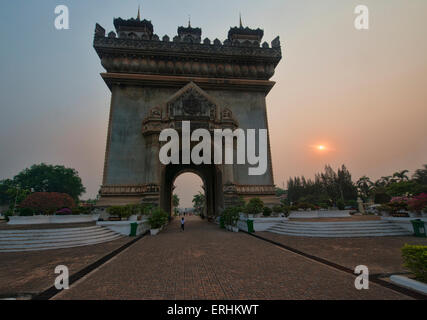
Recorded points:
(64, 212)
(418, 203)
(47, 202)
(399, 199)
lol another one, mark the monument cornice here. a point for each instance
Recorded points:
(180, 81)
(248, 61)
(138, 46)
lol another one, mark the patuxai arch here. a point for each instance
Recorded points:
(159, 83)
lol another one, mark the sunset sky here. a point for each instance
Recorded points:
(360, 94)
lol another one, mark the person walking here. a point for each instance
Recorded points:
(182, 223)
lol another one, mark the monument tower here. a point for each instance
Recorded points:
(158, 83)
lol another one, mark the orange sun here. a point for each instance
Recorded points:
(321, 147)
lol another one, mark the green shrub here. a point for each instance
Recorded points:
(76, 211)
(381, 198)
(415, 259)
(340, 204)
(254, 206)
(278, 209)
(158, 218)
(26, 212)
(231, 215)
(146, 209)
(323, 205)
(351, 203)
(115, 211)
(7, 214)
(267, 212)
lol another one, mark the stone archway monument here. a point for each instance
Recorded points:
(158, 84)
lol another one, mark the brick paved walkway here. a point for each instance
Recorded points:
(29, 273)
(205, 262)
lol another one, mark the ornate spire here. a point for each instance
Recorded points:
(240, 20)
(189, 21)
(139, 13)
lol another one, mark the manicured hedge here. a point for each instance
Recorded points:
(415, 258)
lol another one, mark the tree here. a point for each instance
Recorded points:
(49, 178)
(327, 188)
(420, 175)
(348, 190)
(364, 187)
(401, 175)
(199, 203)
(175, 201)
(7, 191)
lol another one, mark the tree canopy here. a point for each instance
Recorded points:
(49, 178)
(327, 187)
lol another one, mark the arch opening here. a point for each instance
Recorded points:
(211, 177)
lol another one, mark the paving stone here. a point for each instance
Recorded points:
(382, 255)
(205, 262)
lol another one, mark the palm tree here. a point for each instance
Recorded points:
(199, 202)
(365, 187)
(386, 180)
(420, 175)
(175, 200)
(401, 175)
(175, 204)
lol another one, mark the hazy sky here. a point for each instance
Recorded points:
(362, 94)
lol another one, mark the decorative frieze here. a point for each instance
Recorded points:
(192, 104)
(129, 190)
(255, 189)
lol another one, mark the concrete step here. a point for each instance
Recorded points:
(339, 229)
(57, 240)
(62, 246)
(48, 231)
(40, 236)
(31, 240)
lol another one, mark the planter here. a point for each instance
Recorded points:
(409, 283)
(154, 232)
(43, 219)
(320, 214)
(235, 229)
(259, 224)
(412, 214)
(124, 227)
(404, 223)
